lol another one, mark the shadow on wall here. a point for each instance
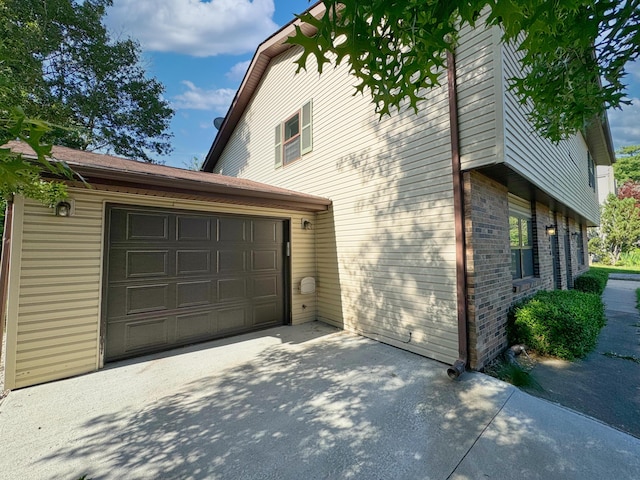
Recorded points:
(337, 407)
(394, 254)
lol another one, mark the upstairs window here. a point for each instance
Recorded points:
(293, 137)
(520, 238)
(592, 172)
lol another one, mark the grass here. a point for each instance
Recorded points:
(512, 372)
(615, 268)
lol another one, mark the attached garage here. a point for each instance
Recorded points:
(150, 259)
(177, 277)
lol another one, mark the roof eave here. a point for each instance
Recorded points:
(266, 51)
(599, 141)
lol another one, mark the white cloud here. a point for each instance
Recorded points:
(625, 124)
(633, 69)
(238, 70)
(193, 27)
(196, 98)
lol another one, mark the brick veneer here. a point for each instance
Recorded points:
(488, 258)
(490, 288)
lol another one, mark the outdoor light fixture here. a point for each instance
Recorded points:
(306, 224)
(551, 230)
(63, 209)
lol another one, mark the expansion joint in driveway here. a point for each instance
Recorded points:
(481, 433)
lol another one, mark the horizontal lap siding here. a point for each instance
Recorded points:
(58, 309)
(539, 160)
(386, 250)
(478, 113)
(56, 317)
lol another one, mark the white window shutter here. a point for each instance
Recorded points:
(306, 131)
(278, 148)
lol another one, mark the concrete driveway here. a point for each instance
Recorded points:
(306, 402)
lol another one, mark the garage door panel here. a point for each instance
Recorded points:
(265, 286)
(147, 226)
(230, 289)
(266, 314)
(232, 230)
(232, 319)
(194, 326)
(147, 298)
(231, 261)
(176, 278)
(265, 231)
(146, 333)
(192, 228)
(265, 260)
(191, 294)
(144, 263)
(193, 262)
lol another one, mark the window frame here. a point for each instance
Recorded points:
(290, 140)
(521, 210)
(591, 172)
(304, 137)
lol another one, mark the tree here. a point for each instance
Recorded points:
(630, 189)
(397, 48)
(17, 175)
(619, 226)
(627, 166)
(72, 73)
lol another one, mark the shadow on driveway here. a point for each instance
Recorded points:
(304, 402)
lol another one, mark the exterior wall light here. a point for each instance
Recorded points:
(64, 209)
(306, 224)
(551, 230)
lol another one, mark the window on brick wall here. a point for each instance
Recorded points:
(521, 239)
(580, 249)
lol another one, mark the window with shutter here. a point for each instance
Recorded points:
(294, 136)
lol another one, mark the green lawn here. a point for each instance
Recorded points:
(614, 269)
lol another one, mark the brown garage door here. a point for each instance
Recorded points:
(175, 278)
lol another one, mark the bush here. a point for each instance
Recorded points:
(562, 323)
(592, 281)
(630, 259)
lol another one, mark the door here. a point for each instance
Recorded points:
(174, 278)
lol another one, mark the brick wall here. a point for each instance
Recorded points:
(490, 288)
(488, 258)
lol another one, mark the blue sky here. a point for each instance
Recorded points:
(200, 52)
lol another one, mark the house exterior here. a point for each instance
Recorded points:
(440, 221)
(147, 258)
(606, 182)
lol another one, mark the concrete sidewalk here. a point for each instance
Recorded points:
(606, 383)
(305, 402)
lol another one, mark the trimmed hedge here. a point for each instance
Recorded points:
(562, 323)
(592, 281)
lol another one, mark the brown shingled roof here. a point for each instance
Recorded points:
(102, 169)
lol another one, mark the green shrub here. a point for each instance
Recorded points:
(630, 259)
(562, 323)
(591, 282)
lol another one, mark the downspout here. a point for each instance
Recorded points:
(4, 267)
(460, 364)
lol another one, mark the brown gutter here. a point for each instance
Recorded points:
(460, 364)
(4, 267)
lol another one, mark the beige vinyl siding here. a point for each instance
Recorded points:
(55, 283)
(386, 249)
(478, 111)
(539, 160)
